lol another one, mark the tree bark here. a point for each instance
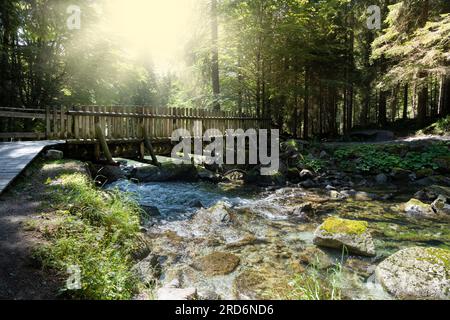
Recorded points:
(422, 106)
(215, 56)
(306, 107)
(382, 118)
(405, 102)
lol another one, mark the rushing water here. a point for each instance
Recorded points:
(266, 237)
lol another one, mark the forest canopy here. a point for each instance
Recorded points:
(315, 68)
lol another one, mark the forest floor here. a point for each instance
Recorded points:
(21, 278)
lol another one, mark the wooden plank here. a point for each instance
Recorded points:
(22, 135)
(16, 156)
(22, 115)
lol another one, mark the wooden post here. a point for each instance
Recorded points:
(47, 123)
(149, 147)
(103, 143)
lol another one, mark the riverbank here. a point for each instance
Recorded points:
(56, 223)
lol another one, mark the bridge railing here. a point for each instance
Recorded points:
(122, 123)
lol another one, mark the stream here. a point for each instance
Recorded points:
(262, 244)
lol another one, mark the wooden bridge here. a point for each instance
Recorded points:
(103, 132)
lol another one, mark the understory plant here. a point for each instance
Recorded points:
(382, 158)
(97, 234)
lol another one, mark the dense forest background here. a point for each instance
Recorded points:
(314, 67)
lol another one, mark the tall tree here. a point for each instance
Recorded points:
(215, 55)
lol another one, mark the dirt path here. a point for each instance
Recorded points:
(20, 276)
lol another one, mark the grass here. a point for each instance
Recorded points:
(97, 232)
(313, 285)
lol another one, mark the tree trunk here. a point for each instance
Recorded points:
(422, 106)
(215, 56)
(306, 107)
(405, 102)
(382, 119)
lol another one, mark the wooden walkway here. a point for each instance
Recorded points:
(16, 156)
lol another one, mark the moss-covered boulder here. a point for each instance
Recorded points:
(350, 234)
(416, 273)
(217, 263)
(417, 208)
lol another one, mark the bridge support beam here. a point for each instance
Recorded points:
(103, 143)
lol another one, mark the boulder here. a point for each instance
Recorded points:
(401, 175)
(432, 192)
(417, 208)
(151, 211)
(216, 215)
(217, 263)
(109, 174)
(441, 205)
(381, 179)
(423, 173)
(306, 174)
(416, 273)
(168, 171)
(255, 177)
(308, 184)
(54, 155)
(147, 270)
(303, 212)
(207, 175)
(339, 233)
(176, 294)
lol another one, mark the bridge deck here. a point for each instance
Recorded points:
(16, 156)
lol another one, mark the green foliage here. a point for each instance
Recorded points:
(98, 234)
(312, 163)
(441, 127)
(314, 285)
(373, 158)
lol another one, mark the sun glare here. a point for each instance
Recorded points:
(154, 29)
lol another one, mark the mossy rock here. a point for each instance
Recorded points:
(354, 236)
(336, 225)
(417, 208)
(217, 263)
(423, 173)
(416, 273)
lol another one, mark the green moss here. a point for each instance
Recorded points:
(439, 257)
(336, 225)
(417, 203)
